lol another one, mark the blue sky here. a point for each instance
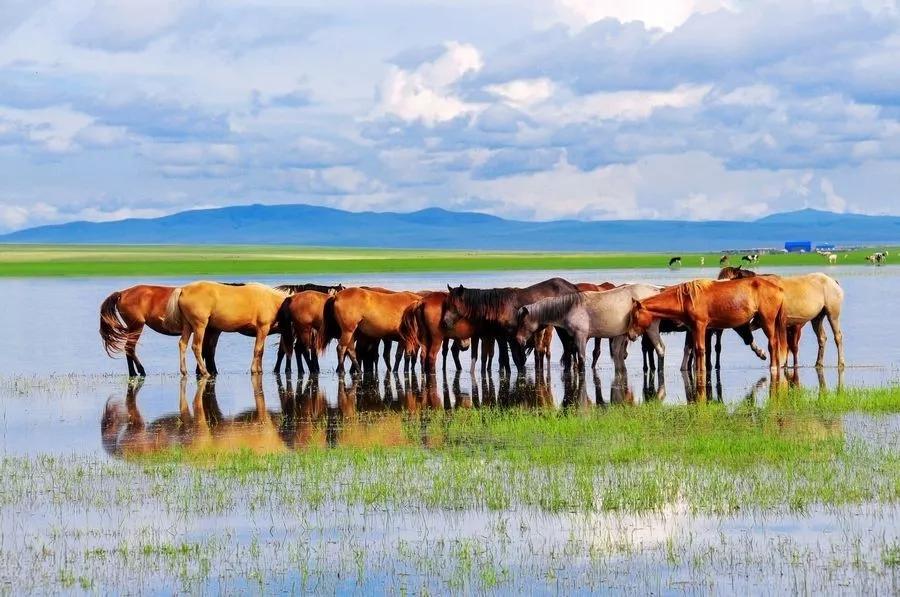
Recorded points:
(699, 109)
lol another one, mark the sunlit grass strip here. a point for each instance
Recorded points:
(199, 260)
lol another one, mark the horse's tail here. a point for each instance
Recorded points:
(113, 330)
(409, 326)
(173, 318)
(781, 331)
(329, 329)
(285, 325)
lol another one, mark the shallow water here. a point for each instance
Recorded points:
(62, 398)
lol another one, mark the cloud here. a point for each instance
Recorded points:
(568, 108)
(426, 93)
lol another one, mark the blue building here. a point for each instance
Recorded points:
(798, 246)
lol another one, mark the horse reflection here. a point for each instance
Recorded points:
(125, 433)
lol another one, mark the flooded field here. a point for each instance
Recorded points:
(450, 483)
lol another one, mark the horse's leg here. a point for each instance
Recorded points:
(488, 351)
(503, 354)
(834, 320)
(746, 335)
(134, 364)
(580, 340)
(400, 352)
(445, 348)
(647, 353)
(769, 327)
(821, 338)
(280, 357)
(618, 351)
(454, 352)
(197, 345)
(793, 338)
(709, 345)
(258, 347)
(657, 346)
(596, 355)
(386, 354)
(210, 341)
(698, 333)
(718, 336)
(474, 354)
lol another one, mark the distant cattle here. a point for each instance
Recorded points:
(675, 261)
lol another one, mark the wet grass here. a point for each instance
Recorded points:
(647, 498)
(122, 260)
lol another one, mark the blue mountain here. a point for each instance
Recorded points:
(439, 228)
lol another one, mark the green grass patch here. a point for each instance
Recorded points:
(159, 260)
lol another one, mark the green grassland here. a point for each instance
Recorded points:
(158, 260)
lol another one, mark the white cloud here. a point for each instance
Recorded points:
(833, 201)
(427, 93)
(524, 92)
(666, 14)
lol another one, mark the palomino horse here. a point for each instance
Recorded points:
(123, 315)
(589, 314)
(493, 311)
(702, 304)
(360, 313)
(308, 354)
(299, 318)
(808, 298)
(423, 319)
(250, 309)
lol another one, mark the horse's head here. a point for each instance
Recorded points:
(639, 320)
(526, 326)
(453, 307)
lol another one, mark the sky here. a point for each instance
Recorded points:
(528, 109)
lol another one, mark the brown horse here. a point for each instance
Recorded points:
(123, 315)
(308, 355)
(493, 312)
(422, 319)
(250, 309)
(702, 304)
(808, 298)
(299, 319)
(365, 314)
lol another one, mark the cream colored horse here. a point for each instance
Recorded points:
(249, 309)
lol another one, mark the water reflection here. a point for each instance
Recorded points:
(392, 410)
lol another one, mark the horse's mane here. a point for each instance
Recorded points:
(554, 307)
(482, 304)
(295, 288)
(234, 283)
(736, 273)
(690, 290)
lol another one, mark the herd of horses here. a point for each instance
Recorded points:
(515, 321)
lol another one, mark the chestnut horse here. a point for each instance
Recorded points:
(299, 319)
(307, 354)
(493, 312)
(702, 304)
(250, 309)
(123, 315)
(422, 319)
(808, 298)
(359, 313)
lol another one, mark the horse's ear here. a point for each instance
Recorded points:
(449, 288)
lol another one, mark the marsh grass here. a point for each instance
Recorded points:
(511, 500)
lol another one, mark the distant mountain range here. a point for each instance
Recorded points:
(438, 228)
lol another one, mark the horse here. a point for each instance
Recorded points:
(299, 318)
(493, 311)
(123, 315)
(582, 286)
(589, 315)
(423, 319)
(360, 313)
(723, 260)
(250, 309)
(295, 289)
(702, 304)
(808, 298)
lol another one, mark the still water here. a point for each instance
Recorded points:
(53, 367)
